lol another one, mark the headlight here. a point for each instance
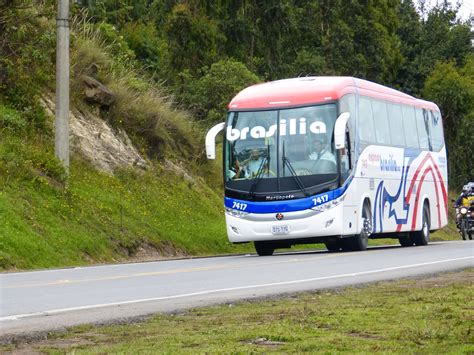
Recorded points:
(235, 213)
(463, 210)
(328, 205)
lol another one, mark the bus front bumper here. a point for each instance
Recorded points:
(293, 225)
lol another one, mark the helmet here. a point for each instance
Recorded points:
(468, 188)
(471, 185)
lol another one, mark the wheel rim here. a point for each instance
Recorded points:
(426, 226)
(425, 229)
(366, 228)
(366, 224)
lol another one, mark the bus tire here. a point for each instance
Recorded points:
(405, 240)
(333, 246)
(422, 237)
(360, 241)
(264, 248)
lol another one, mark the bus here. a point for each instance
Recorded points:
(333, 160)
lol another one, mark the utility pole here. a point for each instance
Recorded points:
(61, 147)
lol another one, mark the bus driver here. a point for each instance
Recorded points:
(321, 150)
(253, 163)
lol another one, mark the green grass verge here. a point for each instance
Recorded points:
(428, 316)
(100, 218)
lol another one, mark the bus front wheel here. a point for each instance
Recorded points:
(333, 246)
(264, 248)
(360, 241)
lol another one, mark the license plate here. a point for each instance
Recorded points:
(284, 229)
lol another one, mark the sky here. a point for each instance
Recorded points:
(467, 7)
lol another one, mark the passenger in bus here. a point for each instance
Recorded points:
(253, 163)
(236, 171)
(321, 150)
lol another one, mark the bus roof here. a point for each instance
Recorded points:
(316, 89)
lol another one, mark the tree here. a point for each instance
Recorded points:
(453, 90)
(359, 38)
(192, 40)
(441, 37)
(210, 95)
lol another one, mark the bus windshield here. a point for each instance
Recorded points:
(285, 150)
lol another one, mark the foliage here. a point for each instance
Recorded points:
(439, 37)
(142, 107)
(19, 160)
(453, 90)
(192, 39)
(143, 39)
(11, 120)
(209, 95)
(99, 218)
(26, 51)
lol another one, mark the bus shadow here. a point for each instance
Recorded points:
(325, 251)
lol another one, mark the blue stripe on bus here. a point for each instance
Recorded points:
(286, 206)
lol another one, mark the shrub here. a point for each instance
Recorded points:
(27, 44)
(210, 95)
(11, 120)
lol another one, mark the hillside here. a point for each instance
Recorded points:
(139, 183)
(148, 79)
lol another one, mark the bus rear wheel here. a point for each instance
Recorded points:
(405, 240)
(264, 248)
(422, 237)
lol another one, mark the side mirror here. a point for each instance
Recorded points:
(211, 140)
(340, 130)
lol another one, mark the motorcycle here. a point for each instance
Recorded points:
(466, 221)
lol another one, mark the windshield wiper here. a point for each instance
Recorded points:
(287, 162)
(259, 175)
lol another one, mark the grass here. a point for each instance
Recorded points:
(99, 218)
(432, 315)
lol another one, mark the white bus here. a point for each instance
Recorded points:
(334, 160)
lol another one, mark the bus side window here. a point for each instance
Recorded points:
(396, 125)
(436, 128)
(382, 130)
(409, 126)
(423, 130)
(366, 123)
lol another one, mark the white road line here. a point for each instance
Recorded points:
(283, 283)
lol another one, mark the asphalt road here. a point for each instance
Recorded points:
(53, 299)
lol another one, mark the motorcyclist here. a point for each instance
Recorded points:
(464, 199)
